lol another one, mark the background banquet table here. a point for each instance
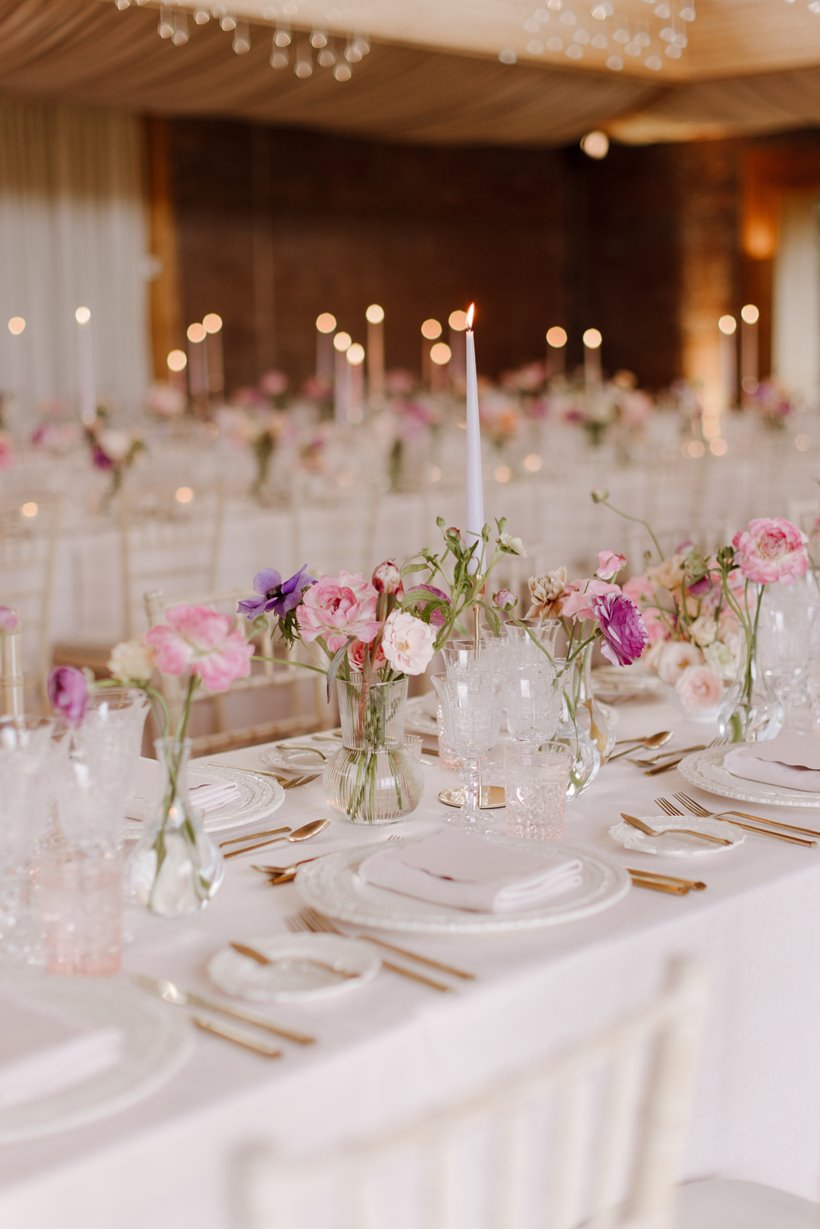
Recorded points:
(394, 1049)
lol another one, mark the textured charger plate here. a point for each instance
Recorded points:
(705, 770)
(156, 1042)
(625, 683)
(308, 753)
(258, 798)
(334, 887)
(677, 846)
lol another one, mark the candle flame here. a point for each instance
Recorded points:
(470, 316)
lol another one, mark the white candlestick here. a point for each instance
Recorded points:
(85, 366)
(215, 364)
(593, 372)
(341, 389)
(375, 353)
(749, 357)
(475, 477)
(197, 370)
(728, 362)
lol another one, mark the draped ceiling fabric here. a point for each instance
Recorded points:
(89, 52)
(72, 232)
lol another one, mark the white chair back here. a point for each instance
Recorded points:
(593, 1136)
(28, 536)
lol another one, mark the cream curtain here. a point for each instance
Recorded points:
(72, 231)
(796, 358)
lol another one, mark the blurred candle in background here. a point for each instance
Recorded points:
(355, 356)
(749, 341)
(325, 328)
(15, 384)
(176, 363)
(197, 361)
(457, 322)
(440, 356)
(214, 358)
(341, 382)
(475, 476)
(556, 351)
(375, 353)
(431, 330)
(593, 371)
(85, 366)
(727, 326)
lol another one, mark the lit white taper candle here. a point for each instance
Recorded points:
(85, 366)
(475, 477)
(375, 353)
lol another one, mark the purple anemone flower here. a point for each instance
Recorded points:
(428, 601)
(275, 595)
(623, 630)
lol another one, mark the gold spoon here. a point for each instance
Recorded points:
(299, 834)
(651, 743)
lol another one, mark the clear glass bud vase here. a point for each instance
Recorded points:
(750, 712)
(175, 868)
(373, 778)
(577, 727)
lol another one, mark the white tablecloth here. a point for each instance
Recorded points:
(395, 1049)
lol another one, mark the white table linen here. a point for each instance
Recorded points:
(394, 1050)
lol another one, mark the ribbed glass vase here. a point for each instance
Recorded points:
(373, 778)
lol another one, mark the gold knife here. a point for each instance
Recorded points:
(654, 885)
(236, 1035)
(171, 993)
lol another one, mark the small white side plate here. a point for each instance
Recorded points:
(292, 979)
(681, 846)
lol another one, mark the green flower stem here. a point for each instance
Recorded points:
(637, 520)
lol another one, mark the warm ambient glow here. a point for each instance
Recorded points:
(440, 354)
(749, 314)
(355, 354)
(196, 332)
(374, 314)
(183, 495)
(29, 510)
(177, 360)
(532, 462)
(342, 341)
(556, 337)
(592, 339)
(595, 144)
(431, 329)
(470, 316)
(727, 325)
(325, 322)
(16, 325)
(212, 323)
(457, 320)
(82, 315)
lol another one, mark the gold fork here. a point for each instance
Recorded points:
(671, 809)
(641, 826)
(696, 808)
(309, 919)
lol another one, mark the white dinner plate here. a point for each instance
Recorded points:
(677, 846)
(706, 770)
(153, 1043)
(334, 887)
(292, 978)
(308, 753)
(258, 798)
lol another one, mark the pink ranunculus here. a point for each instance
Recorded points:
(578, 603)
(9, 619)
(623, 632)
(196, 640)
(609, 564)
(408, 643)
(771, 549)
(338, 607)
(677, 657)
(700, 689)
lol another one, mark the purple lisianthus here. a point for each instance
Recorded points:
(100, 458)
(276, 596)
(68, 694)
(427, 602)
(623, 631)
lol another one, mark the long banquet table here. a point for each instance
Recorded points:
(394, 1049)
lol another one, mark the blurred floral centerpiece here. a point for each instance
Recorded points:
(113, 452)
(372, 635)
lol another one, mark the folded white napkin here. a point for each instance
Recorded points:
(206, 793)
(50, 1054)
(466, 872)
(790, 760)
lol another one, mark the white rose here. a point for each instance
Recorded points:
(722, 656)
(131, 661)
(677, 657)
(700, 689)
(703, 630)
(407, 643)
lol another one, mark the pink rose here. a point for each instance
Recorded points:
(357, 655)
(677, 657)
(338, 607)
(771, 549)
(195, 640)
(700, 689)
(577, 604)
(408, 643)
(9, 619)
(609, 564)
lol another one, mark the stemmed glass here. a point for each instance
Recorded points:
(785, 639)
(471, 707)
(533, 700)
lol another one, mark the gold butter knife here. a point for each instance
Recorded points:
(654, 885)
(170, 992)
(237, 1036)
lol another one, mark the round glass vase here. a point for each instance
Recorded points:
(577, 728)
(175, 868)
(749, 713)
(373, 778)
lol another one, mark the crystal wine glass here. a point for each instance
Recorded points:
(471, 713)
